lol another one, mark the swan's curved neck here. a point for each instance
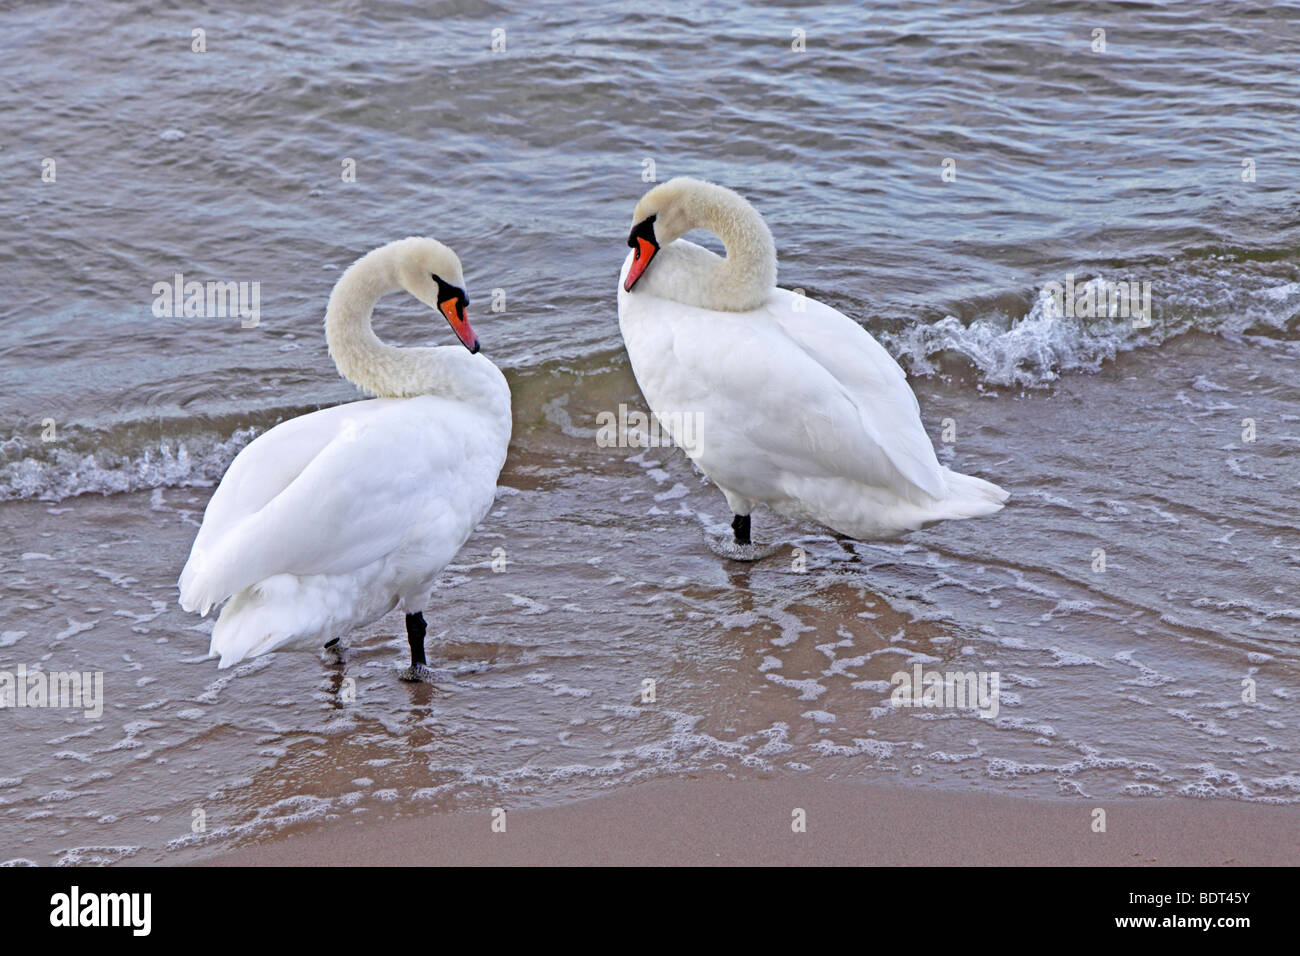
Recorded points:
(358, 353)
(382, 370)
(745, 278)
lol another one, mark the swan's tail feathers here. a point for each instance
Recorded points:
(195, 596)
(201, 587)
(971, 497)
(260, 619)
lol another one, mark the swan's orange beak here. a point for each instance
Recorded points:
(644, 246)
(453, 309)
(645, 251)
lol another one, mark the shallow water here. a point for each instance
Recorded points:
(225, 165)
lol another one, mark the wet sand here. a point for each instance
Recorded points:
(703, 823)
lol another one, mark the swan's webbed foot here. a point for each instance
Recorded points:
(420, 672)
(425, 674)
(742, 548)
(417, 674)
(744, 552)
(738, 547)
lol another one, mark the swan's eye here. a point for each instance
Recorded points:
(645, 229)
(450, 293)
(644, 246)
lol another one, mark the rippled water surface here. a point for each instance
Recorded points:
(1171, 157)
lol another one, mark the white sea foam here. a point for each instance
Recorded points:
(70, 468)
(95, 855)
(1035, 349)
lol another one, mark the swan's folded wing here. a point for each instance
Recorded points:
(353, 503)
(269, 463)
(870, 379)
(802, 392)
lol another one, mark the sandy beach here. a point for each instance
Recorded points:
(749, 823)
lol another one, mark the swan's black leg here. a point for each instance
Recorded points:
(740, 528)
(415, 628)
(419, 670)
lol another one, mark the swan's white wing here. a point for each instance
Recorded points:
(780, 393)
(872, 380)
(381, 476)
(271, 461)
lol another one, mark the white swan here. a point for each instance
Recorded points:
(330, 520)
(778, 399)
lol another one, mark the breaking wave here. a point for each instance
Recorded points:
(77, 466)
(1035, 349)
